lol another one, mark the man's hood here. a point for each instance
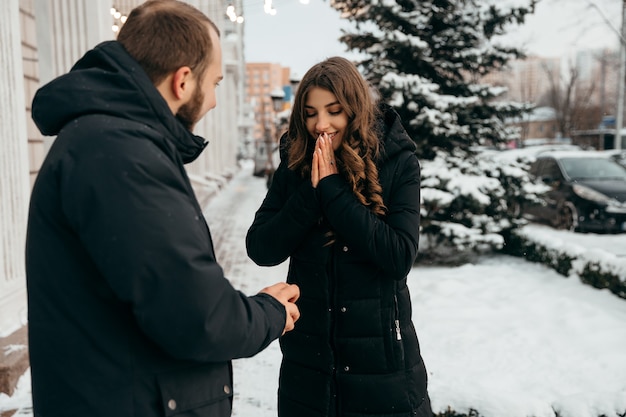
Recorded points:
(106, 80)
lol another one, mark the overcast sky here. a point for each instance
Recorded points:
(300, 35)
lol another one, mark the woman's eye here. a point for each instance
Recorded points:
(308, 115)
(335, 111)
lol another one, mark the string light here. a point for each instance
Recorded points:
(232, 14)
(269, 8)
(118, 19)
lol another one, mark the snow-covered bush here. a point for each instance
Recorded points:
(594, 267)
(469, 202)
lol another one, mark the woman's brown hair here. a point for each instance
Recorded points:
(357, 154)
(164, 35)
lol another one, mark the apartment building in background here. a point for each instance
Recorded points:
(526, 80)
(589, 77)
(263, 81)
(263, 78)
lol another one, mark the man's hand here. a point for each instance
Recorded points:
(287, 294)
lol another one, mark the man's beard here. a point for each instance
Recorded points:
(189, 113)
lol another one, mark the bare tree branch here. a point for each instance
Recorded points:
(606, 19)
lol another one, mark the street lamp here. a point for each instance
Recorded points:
(278, 96)
(294, 81)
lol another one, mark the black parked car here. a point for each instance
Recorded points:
(617, 155)
(587, 192)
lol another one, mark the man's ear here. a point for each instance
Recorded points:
(182, 83)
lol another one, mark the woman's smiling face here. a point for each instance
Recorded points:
(324, 114)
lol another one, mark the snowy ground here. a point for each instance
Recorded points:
(503, 336)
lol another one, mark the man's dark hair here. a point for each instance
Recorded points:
(164, 35)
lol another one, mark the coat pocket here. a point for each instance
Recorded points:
(396, 394)
(184, 391)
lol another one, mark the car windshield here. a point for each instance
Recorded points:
(592, 169)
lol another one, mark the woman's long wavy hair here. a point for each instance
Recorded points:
(359, 148)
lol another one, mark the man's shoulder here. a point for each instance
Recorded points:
(108, 128)
(106, 122)
(106, 136)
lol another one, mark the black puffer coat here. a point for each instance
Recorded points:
(129, 312)
(354, 351)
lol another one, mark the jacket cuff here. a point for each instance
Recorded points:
(276, 315)
(330, 187)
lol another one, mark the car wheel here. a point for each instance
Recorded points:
(567, 217)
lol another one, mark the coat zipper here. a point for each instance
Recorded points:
(333, 305)
(397, 317)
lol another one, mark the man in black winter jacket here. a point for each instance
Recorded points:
(129, 312)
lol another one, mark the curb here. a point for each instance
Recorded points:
(14, 359)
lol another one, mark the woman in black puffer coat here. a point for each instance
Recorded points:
(344, 206)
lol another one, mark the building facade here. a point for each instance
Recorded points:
(538, 127)
(40, 40)
(527, 79)
(262, 80)
(582, 89)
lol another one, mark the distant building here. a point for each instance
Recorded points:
(262, 80)
(602, 138)
(538, 127)
(583, 89)
(526, 80)
(599, 71)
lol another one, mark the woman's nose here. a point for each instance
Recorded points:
(322, 123)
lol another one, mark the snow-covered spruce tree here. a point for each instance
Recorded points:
(426, 57)
(469, 204)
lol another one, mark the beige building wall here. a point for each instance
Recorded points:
(36, 149)
(539, 129)
(221, 125)
(14, 185)
(55, 34)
